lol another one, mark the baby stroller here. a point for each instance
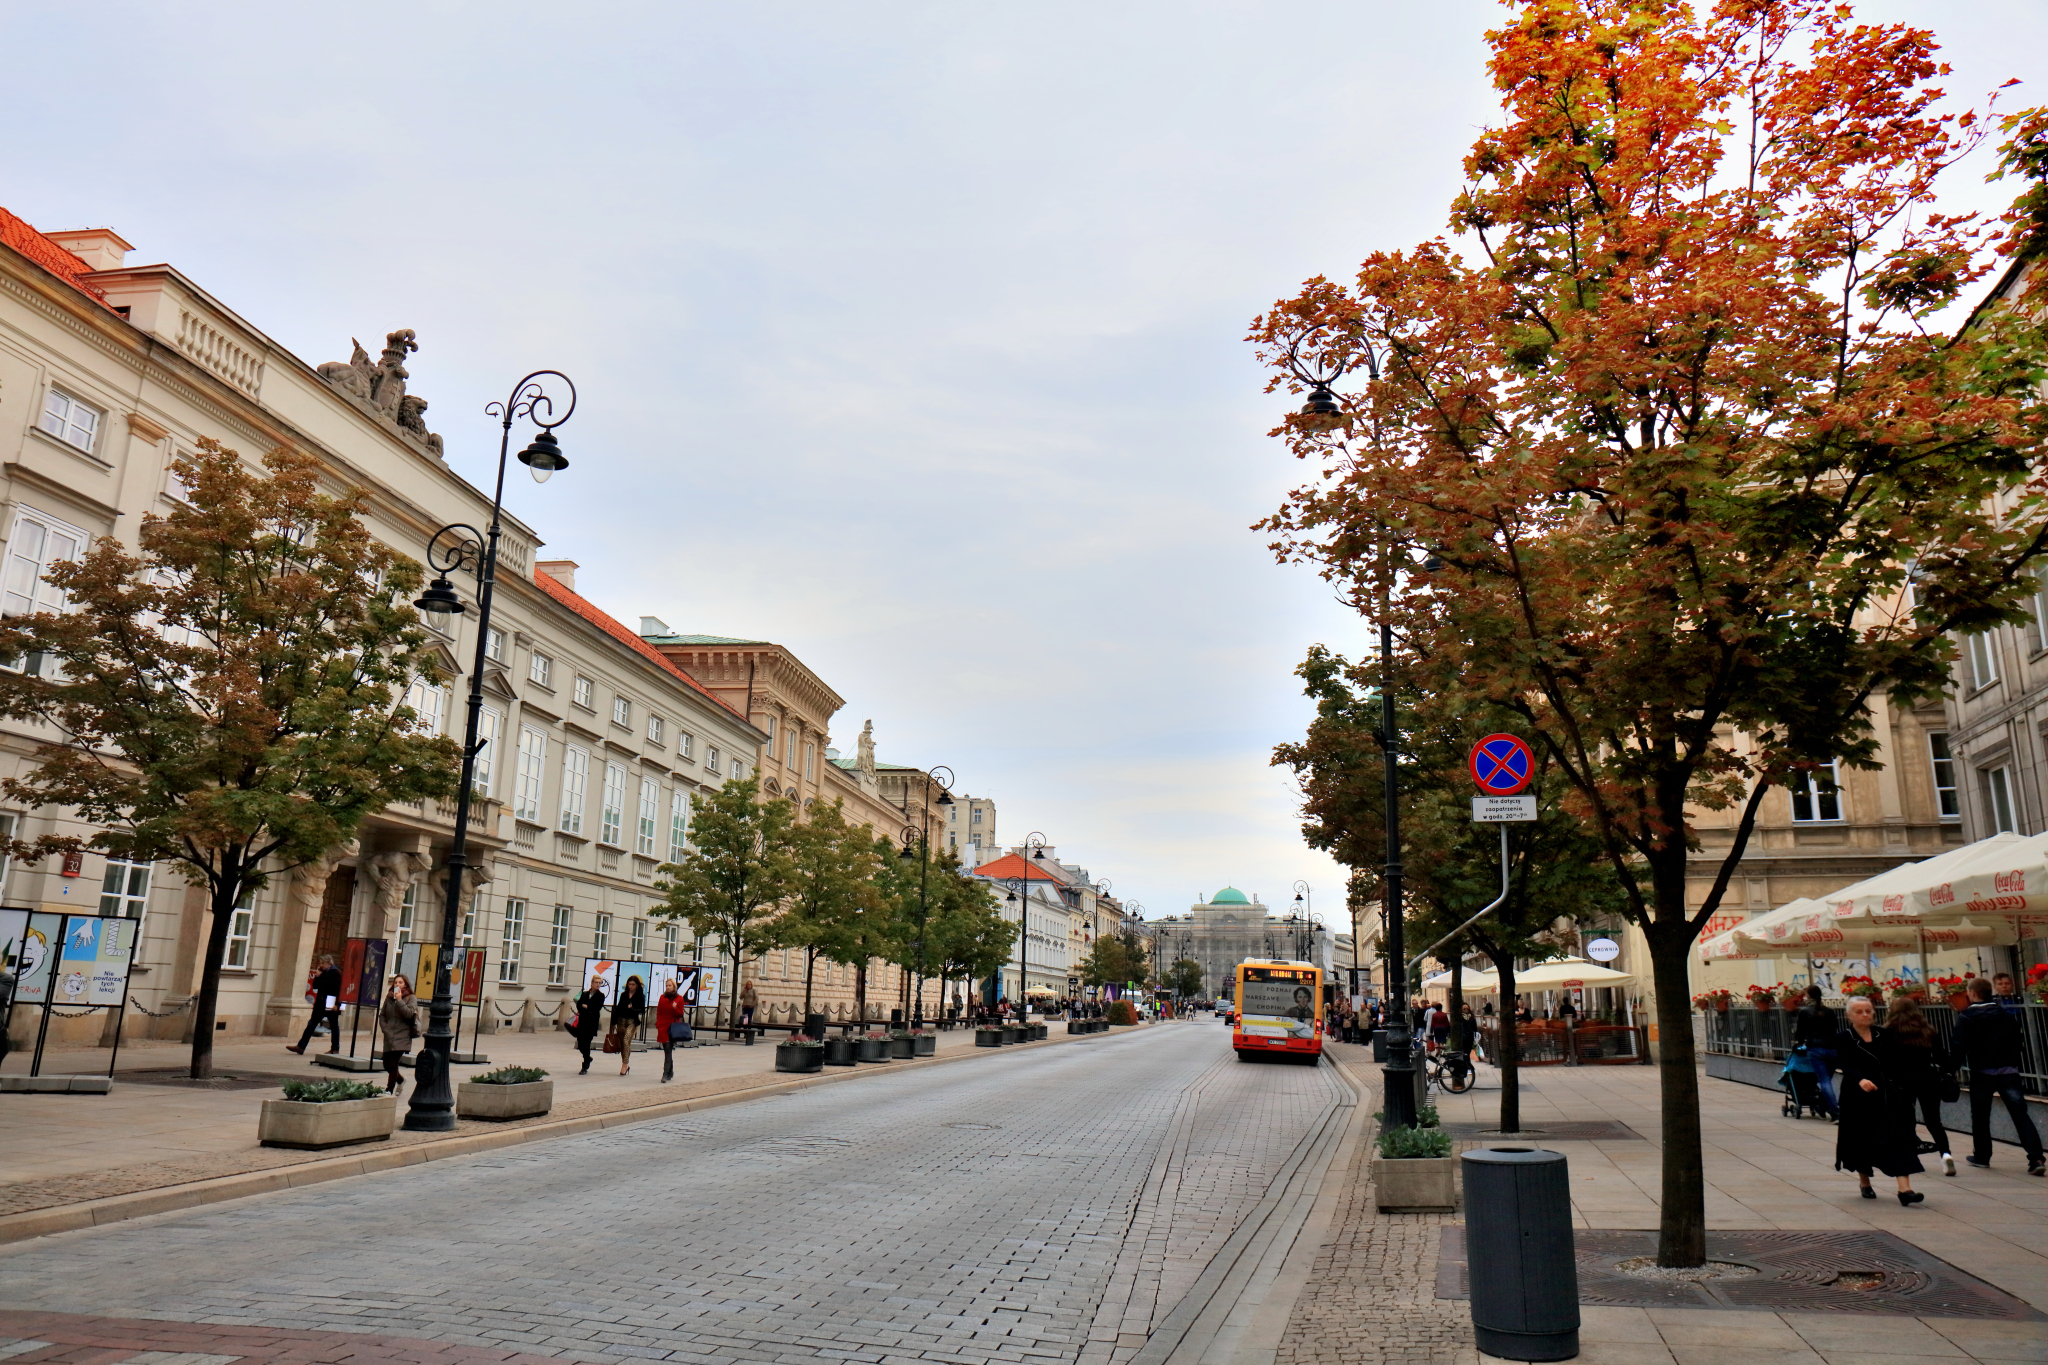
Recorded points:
(1800, 1080)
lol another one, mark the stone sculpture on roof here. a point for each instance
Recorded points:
(864, 755)
(380, 389)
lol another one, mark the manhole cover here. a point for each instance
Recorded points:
(977, 1127)
(1862, 1272)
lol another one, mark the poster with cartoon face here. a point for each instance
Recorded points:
(36, 958)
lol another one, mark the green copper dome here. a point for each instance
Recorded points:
(1230, 895)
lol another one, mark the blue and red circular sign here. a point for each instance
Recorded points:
(1502, 765)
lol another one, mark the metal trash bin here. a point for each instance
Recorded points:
(1518, 1252)
(1379, 1046)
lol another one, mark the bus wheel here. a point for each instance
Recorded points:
(1244, 1056)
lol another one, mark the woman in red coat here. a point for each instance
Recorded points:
(671, 1009)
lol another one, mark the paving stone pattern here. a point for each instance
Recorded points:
(72, 1339)
(842, 1223)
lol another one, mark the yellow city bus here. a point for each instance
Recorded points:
(1279, 1010)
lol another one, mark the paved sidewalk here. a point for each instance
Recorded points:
(28, 1338)
(80, 1151)
(1371, 1292)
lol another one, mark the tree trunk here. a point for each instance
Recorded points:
(860, 994)
(1459, 1042)
(207, 1000)
(810, 970)
(1682, 1230)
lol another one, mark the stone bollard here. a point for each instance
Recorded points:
(1518, 1250)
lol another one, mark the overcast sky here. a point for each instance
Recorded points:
(908, 334)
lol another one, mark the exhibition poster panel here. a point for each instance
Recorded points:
(38, 956)
(666, 974)
(429, 959)
(351, 971)
(13, 926)
(601, 973)
(371, 989)
(473, 976)
(97, 952)
(629, 970)
(409, 965)
(707, 987)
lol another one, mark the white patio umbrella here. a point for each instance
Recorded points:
(1442, 980)
(1996, 886)
(1563, 974)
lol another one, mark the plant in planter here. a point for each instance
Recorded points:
(1953, 989)
(505, 1092)
(1414, 1171)
(2037, 982)
(327, 1114)
(1713, 1000)
(839, 1051)
(800, 1055)
(1791, 998)
(1898, 985)
(1861, 985)
(1123, 1012)
(874, 1047)
(924, 1043)
(1764, 997)
(901, 1045)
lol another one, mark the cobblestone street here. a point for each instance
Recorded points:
(963, 1213)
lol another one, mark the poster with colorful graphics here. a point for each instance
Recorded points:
(629, 970)
(36, 958)
(666, 974)
(94, 967)
(473, 976)
(376, 952)
(707, 988)
(408, 967)
(602, 973)
(352, 970)
(429, 959)
(13, 927)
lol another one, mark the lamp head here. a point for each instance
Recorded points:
(440, 599)
(1321, 403)
(543, 457)
(907, 854)
(945, 797)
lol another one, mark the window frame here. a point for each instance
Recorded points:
(1804, 785)
(711, 757)
(583, 693)
(649, 817)
(575, 788)
(639, 940)
(530, 781)
(558, 944)
(539, 669)
(41, 596)
(511, 940)
(678, 825)
(1983, 652)
(1998, 799)
(56, 393)
(611, 820)
(601, 935)
(125, 896)
(489, 728)
(686, 745)
(241, 933)
(654, 729)
(1948, 799)
(494, 645)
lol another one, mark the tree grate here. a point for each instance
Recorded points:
(1865, 1272)
(1556, 1130)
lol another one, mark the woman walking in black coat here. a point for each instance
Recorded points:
(1876, 1129)
(626, 1017)
(588, 1022)
(1925, 1067)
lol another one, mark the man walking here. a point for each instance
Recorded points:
(1988, 1040)
(326, 1005)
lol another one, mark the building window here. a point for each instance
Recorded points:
(37, 543)
(7, 826)
(240, 924)
(540, 668)
(1983, 659)
(654, 729)
(678, 824)
(575, 776)
(70, 421)
(650, 817)
(494, 644)
(406, 908)
(558, 947)
(769, 730)
(613, 814)
(601, 937)
(469, 914)
(622, 712)
(533, 757)
(425, 699)
(1817, 795)
(668, 943)
(739, 770)
(684, 744)
(125, 890)
(1944, 777)
(639, 939)
(1998, 797)
(487, 725)
(585, 694)
(508, 943)
(711, 758)
(975, 819)
(810, 760)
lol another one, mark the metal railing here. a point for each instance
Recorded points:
(1766, 1035)
(1554, 1042)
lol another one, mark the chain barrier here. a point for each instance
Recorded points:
(166, 1014)
(502, 1014)
(548, 1014)
(88, 1010)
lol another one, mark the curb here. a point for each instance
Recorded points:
(16, 1228)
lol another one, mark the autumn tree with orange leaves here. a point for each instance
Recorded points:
(1665, 453)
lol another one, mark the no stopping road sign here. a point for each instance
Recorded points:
(1502, 765)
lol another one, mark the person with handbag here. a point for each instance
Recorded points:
(1814, 1027)
(326, 992)
(672, 1022)
(588, 1021)
(1927, 1064)
(398, 1018)
(1878, 1090)
(627, 1015)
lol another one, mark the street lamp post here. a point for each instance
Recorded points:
(432, 1108)
(923, 834)
(1323, 408)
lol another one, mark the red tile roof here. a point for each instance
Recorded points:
(63, 264)
(582, 606)
(1015, 865)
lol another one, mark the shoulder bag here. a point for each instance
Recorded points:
(679, 1031)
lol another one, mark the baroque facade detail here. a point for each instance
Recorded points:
(380, 388)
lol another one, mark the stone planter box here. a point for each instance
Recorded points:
(799, 1057)
(871, 1050)
(925, 1045)
(295, 1123)
(1415, 1184)
(530, 1099)
(1074, 1027)
(1009, 1035)
(988, 1037)
(902, 1049)
(1038, 1033)
(839, 1052)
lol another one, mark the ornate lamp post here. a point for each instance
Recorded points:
(1323, 408)
(1020, 892)
(922, 833)
(433, 1098)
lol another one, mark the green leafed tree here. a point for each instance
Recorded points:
(966, 939)
(832, 871)
(737, 868)
(231, 696)
(1184, 978)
